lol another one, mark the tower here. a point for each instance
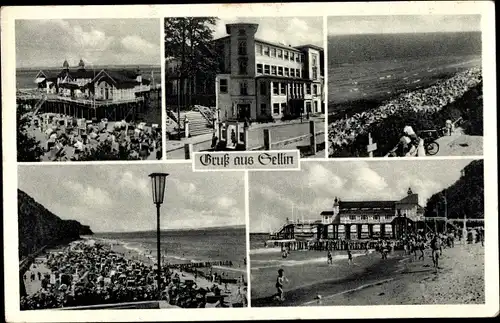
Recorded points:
(81, 65)
(410, 192)
(65, 65)
(336, 206)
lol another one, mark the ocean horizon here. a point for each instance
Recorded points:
(377, 67)
(226, 243)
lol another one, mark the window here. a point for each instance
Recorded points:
(283, 88)
(280, 53)
(287, 71)
(375, 217)
(263, 108)
(242, 47)
(292, 56)
(283, 107)
(263, 88)
(280, 70)
(315, 89)
(285, 55)
(388, 217)
(297, 72)
(243, 88)
(308, 107)
(223, 86)
(242, 32)
(315, 61)
(259, 68)
(302, 58)
(242, 66)
(273, 70)
(352, 217)
(258, 49)
(273, 52)
(266, 50)
(364, 218)
(308, 88)
(315, 73)
(317, 110)
(297, 58)
(266, 69)
(276, 108)
(275, 88)
(292, 72)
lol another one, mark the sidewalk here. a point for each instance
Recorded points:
(281, 130)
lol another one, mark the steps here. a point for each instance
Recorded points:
(198, 125)
(39, 104)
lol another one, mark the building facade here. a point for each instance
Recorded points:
(260, 80)
(102, 85)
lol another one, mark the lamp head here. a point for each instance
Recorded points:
(158, 184)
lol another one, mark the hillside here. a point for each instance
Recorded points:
(39, 227)
(464, 197)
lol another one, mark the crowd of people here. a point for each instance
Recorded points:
(67, 138)
(343, 132)
(90, 273)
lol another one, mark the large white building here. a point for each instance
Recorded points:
(261, 80)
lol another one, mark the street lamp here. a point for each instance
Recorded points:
(158, 183)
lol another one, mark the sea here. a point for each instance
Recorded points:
(377, 67)
(184, 246)
(25, 76)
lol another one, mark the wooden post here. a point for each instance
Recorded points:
(371, 146)
(267, 139)
(313, 137)
(245, 138)
(187, 151)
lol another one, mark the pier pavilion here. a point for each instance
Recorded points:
(358, 220)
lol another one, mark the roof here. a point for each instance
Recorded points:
(241, 24)
(310, 46)
(78, 74)
(122, 79)
(366, 204)
(410, 199)
(277, 45)
(47, 74)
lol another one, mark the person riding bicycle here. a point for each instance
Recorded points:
(410, 145)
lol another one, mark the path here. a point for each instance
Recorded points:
(460, 144)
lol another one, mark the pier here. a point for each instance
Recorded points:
(113, 110)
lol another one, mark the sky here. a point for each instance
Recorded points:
(348, 25)
(117, 198)
(293, 31)
(47, 43)
(311, 190)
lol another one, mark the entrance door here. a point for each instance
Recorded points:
(243, 112)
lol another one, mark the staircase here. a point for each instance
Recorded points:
(206, 112)
(39, 104)
(198, 125)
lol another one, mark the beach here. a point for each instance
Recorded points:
(232, 291)
(372, 280)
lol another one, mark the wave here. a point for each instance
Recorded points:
(291, 263)
(264, 251)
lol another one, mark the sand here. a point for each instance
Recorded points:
(460, 280)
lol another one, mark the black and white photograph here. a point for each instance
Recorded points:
(244, 84)
(131, 236)
(88, 89)
(405, 86)
(368, 233)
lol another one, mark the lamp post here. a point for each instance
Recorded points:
(158, 183)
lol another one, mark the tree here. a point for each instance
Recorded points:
(28, 148)
(189, 41)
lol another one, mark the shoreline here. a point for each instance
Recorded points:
(397, 280)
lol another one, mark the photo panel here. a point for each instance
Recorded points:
(401, 232)
(88, 89)
(405, 86)
(242, 84)
(95, 242)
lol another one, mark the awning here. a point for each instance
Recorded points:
(39, 79)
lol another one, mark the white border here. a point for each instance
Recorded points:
(486, 9)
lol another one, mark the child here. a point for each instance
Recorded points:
(349, 256)
(279, 284)
(330, 258)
